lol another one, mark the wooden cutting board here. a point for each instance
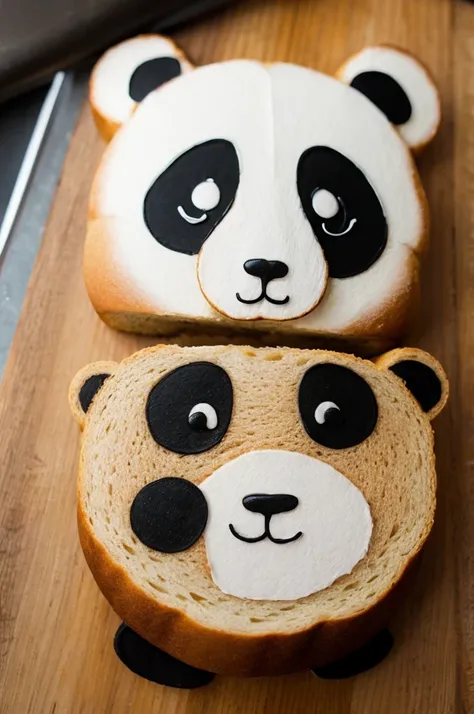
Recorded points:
(56, 629)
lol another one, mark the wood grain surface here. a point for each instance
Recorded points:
(56, 629)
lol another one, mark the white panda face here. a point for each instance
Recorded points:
(293, 519)
(251, 190)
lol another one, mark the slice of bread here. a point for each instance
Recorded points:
(268, 200)
(254, 511)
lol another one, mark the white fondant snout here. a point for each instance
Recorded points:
(253, 546)
(235, 290)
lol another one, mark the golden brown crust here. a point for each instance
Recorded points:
(231, 651)
(394, 318)
(106, 127)
(120, 305)
(105, 280)
(226, 652)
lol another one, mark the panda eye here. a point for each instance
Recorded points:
(337, 407)
(189, 410)
(328, 413)
(191, 197)
(343, 209)
(202, 416)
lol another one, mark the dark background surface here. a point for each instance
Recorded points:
(17, 121)
(38, 37)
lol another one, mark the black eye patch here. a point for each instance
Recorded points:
(337, 407)
(169, 514)
(350, 223)
(191, 197)
(152, 74)
(189, 410)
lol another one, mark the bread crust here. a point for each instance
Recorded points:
(120, 304)
(224, 652)
(236, 652)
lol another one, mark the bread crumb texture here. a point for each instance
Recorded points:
(393, 468)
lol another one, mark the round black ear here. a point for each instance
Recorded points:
(127, 73)
(386, 93)
(152, 74)
(401, 87)
(89, 389)
(85, 385)
(421, 380)
(422, 374)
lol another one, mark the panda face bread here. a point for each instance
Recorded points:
(231, 498)
(267, 196)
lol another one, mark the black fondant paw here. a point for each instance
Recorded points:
(151, 663)
(368, 656)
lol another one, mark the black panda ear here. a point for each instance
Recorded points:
(422, 374)
(127, 73)
(85, 385)
(386, 93)
(401, 87)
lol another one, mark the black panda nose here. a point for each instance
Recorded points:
(266, 270)
(269, 504)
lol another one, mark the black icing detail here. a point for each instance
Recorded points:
(355, 399)
(89, 389)
(172, 398)
(266, 534)
(151, 663)
(216, 160)
(266, 270)
(362, 660)
(333, 417)
(169, 515)
(198, 421)
(386, 93)
(268, 504)
(152, 74)
(421, 380)
(359, 245)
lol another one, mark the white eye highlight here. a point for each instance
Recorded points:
(322, 410)
(202, 416)
(206, 195)
(352, 223)
(191, 219)
(325, 203)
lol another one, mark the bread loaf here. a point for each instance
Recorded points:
(254, 511)
(269, 200)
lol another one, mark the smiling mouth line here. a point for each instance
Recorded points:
(266, 534)
(263, 296)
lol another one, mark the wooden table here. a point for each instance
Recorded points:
(55, 628)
